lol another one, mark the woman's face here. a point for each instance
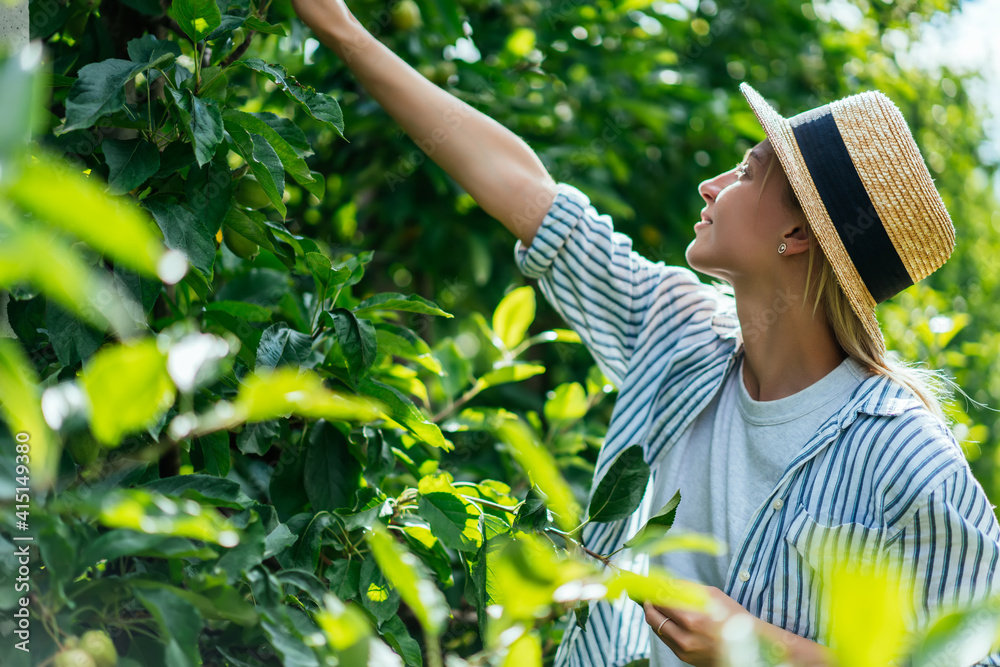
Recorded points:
(743, 222)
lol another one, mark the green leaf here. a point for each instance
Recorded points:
(957, 638)
(37, 256)
(99, 90)
(257, 438)
(514, 315)
(538, 463)
(289, 131)
(251, 225)
(402, 342)
(410, 303)
(403, 412)
(321, 107)
(367, 506)
(620, 491)
(263, 162)
(398, 637)
(202, 123)
(281, 346)
(532, 515)
(197, 18)
(511, 373)
(357, 341)
(322, 270)
(122, 542)
(203, 488)
(247, 311)
(65, 199)
(290, 160)
(271, 394)
(72, 340)
(569, 403)
(403, 571)
(130, 163)
(429, 549)
(215, 451)
(454, 520)
(255, 23)
(376, 593)
(657, 525)
(345, 578)
(179, 623)
(305, 581)
(331, 474)
(248, 553)
(182, 231)
(128, 387)
(149, 51)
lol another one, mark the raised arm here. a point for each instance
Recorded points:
(495, 166)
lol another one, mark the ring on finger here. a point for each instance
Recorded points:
(661, 625)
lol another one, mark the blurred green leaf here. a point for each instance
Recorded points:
(128, 387)
(65, 199)
(514, 315)
(19, 402)
(403, 570)
(540, 467)
(568, 404)
(179, 622)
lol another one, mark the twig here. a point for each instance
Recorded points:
(239, 50)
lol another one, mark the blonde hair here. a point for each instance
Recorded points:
(927, 385)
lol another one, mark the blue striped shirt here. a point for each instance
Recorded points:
(882, 475)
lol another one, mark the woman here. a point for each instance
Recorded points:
(777, 403)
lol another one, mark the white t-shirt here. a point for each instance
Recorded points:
(733, 455)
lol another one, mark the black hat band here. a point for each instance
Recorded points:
(847, 202)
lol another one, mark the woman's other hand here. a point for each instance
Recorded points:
(695, 636)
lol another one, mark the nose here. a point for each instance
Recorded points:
(710, 189)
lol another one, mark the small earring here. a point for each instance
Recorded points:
(781, 249)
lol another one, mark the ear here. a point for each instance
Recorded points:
(796, 240)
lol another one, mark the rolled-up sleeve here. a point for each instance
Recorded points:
(947, 556)
(592, 277)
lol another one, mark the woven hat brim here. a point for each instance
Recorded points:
(782, 138)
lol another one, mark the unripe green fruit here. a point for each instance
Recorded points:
(71, 642)
(249, 193)
(240, 245)
(406, 15)
(74, 657)
(100, 647)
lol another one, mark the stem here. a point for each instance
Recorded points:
(593, 554)
(239, 50)
(490, 503)
(433, 651)
(465, 398)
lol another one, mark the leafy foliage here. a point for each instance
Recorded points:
(249, 446)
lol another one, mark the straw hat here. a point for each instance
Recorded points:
(866, 192)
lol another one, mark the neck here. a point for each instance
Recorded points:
(786, 348)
